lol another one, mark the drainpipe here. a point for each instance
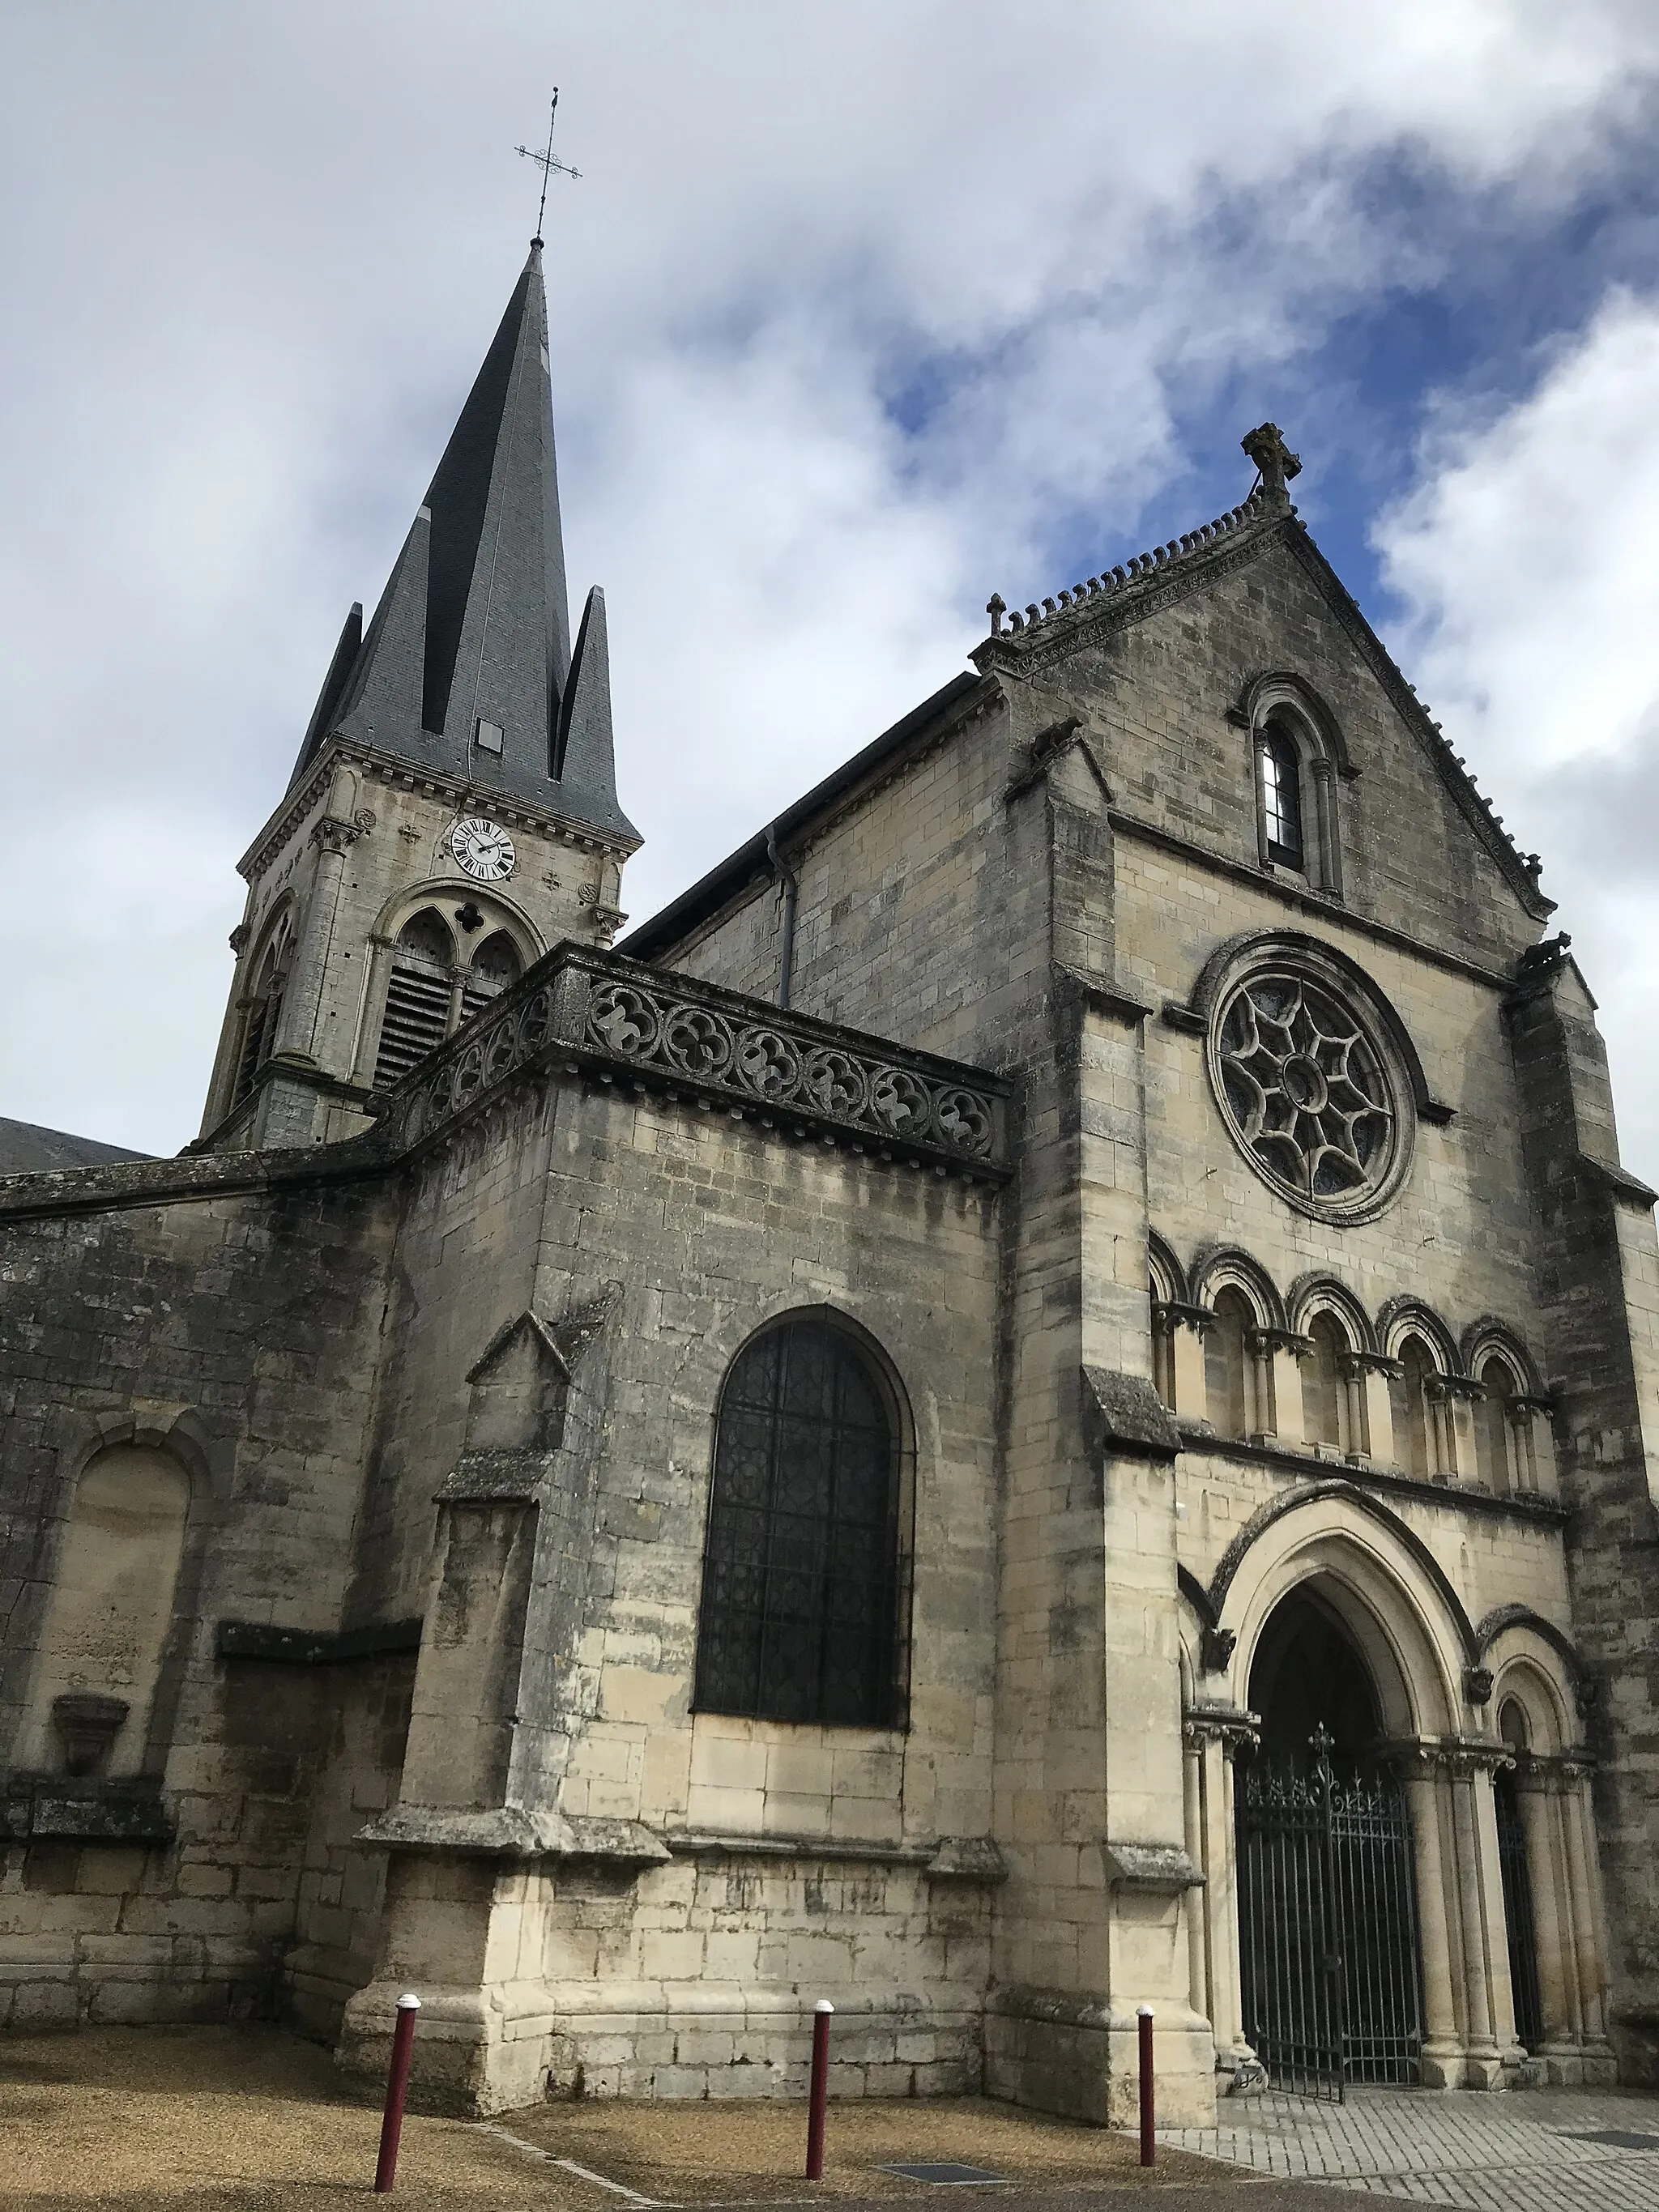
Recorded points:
(789, 885)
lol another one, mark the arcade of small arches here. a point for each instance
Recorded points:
(1312, 1371)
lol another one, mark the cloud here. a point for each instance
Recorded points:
(857, 316)
(1524, 559)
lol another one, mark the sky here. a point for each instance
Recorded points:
(857, 316)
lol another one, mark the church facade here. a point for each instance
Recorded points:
(1039, 1398)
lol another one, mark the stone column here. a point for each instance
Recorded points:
(1215, 1736)
(1278, 1355)
(1464, 1395)
(1427, 1795)
(1183, 1328)
(1589, 1918)
(1538, 1791)
(1199, 1976)
(1535, 1444)
(1492, 2048)
(1330, 845)
(1369, 1374)
(301, 1003)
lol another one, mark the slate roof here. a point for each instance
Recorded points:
(474, 625)
(26, 1149)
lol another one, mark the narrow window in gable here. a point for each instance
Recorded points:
(1279, 769)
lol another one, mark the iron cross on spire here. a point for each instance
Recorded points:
(545, 162)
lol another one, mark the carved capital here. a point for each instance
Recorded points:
(1354, 1364)
(330, 835)
(1237, 1732)
(1170, 1313)
(1279, 1339)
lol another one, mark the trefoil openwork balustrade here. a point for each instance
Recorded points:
(602, 1014)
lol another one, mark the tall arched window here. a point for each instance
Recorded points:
(1279, 766)
(799, 1618)
(264, 1007)
(438, 980)
(1227, 1377)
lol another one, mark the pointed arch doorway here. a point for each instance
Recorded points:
(1330, 1950)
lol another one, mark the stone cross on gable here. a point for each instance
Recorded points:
(1266, 447)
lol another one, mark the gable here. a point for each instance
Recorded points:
(1170, 669)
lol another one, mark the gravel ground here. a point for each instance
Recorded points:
(251, 2119)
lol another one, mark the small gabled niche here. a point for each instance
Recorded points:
(520, 1391)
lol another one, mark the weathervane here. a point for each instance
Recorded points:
(545, 162)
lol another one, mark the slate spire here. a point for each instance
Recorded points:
(467, 667)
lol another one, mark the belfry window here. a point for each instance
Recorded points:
(263, 1013)
(436, 982)
(801, 1585)
(1279, 769)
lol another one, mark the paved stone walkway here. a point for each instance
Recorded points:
(1531, 2150)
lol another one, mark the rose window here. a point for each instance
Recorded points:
(1307, 1091)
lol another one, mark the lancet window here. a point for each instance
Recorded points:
(801, 1585)
(1278, 769)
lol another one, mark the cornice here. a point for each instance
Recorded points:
(1451, 1498)
(391, 768)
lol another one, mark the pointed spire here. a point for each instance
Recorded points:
(326, 713)
(474, 627)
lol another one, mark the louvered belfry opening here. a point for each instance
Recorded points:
(496, 964)
(436, 983)
(801, 1584)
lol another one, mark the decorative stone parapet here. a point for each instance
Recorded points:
(613, 1020)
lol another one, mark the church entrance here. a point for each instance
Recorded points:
(1329, 1949)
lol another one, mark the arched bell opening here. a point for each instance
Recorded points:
(1331, 1951)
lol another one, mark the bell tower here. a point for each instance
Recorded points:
(453, 811)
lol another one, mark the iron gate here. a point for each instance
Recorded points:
(1517, 1913)
(1328, 1923)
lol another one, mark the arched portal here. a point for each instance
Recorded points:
(1330, 1948)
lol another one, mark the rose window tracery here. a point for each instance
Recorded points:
(1307, 1091)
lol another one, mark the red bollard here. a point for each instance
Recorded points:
(820, 2091)
(1148, 2122)
(397, 2088)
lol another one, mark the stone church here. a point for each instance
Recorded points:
(1039, 1397)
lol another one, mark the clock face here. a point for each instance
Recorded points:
(483, 849)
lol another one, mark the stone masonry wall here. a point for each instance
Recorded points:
(237, 1334)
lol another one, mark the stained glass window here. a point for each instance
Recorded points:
(800, 1574)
